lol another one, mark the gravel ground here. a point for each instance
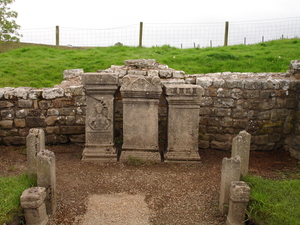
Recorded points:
(156, 194)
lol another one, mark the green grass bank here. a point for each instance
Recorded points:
(11, 189)
(42, 66)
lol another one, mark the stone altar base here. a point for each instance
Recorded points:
(99, 154)
(182, 156)
(143, 155)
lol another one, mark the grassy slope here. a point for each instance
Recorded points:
(42, 66)
(11, 189)
(274, 202)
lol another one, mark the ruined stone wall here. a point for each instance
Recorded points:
(263, 104)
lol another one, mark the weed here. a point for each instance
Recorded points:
(134, 161)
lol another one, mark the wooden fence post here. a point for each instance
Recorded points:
(226, 33)
(141, 35)
(57, 36)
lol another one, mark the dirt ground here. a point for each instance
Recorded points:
(172, 193)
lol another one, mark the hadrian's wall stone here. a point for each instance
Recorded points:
(263, 104)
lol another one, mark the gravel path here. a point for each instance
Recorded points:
(156, 194)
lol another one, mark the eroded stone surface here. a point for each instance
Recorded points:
(183, 119)
(100, 89)
(140, 115)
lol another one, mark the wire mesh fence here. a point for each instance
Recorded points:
(181, 35)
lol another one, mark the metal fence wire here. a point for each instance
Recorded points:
(181, 35)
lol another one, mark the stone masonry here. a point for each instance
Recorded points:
(266, 105)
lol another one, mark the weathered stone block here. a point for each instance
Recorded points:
(35, 122)
(241, 148)
(204, 81)
(140, 63)
(46, 177)
(45, 104)
(52, 130)
(5, 104)
(21, 113)
(8, 114)
(53, 93)
(67, 111)
(72, 129)
(22, 103)
(231, 170)
(6, 124)
(15, 140)
(239, 197)
(19, 123)
(50, 120)
(74, 91)
(35, 94)
(62, 102)
(33, 202)
(165, 73)
(35, 142)
(52, 112)
(69, 74)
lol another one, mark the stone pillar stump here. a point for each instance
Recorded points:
(183, 121)
(33, 202)
(100, 89)
(140, 117)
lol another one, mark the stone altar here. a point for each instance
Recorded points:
(100, 89)
(140, 117)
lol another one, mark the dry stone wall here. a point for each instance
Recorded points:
(266, 105)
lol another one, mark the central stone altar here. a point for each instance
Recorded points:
(140, 117)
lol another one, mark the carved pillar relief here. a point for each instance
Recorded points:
(100, 89)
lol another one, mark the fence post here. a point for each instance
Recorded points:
(141, 35)
(57, 36)
(226, 33)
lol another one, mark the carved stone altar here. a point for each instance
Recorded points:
(183, 121)
(100, 89)
(140, 117)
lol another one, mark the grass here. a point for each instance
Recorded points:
(42, 66)
(274, 202)
(11, 189)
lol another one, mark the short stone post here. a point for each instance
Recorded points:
(35, 142)
(241, 146)
(230, 172)
(100, 89)
(183, 122)
(239, 197)
(33, 203)
(140, 117)
(46, 177)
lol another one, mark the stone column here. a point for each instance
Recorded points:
(100, 89)
(231, 170)
(33, 202)
(241, 146)
(46, 177)
(35, 142)
(239, 197)
(140, 117)
(183, 121)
